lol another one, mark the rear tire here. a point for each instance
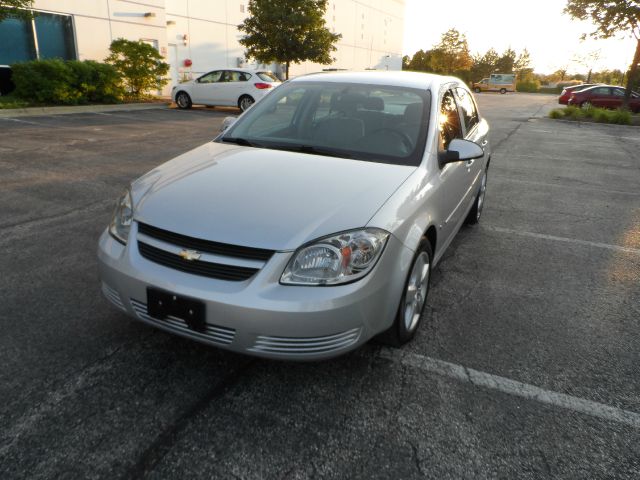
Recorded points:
(245, 101)
(477, 90)
(503, 91)
(414, 299)
(475, 213)
(183, 100)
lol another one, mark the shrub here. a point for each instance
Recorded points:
(72, 82)
(97, 82)
(44, 81)
(621, 117)
(140, 66)
(556, 113)
(531, 86)
(600, 115)
(554, 90)
(574, 113)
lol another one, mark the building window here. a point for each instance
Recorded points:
(16, 41)
(48, 36)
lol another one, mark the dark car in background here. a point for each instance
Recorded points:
(6, 85)
(567, 91)
(604, 97)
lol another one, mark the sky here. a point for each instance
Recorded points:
(552, 38)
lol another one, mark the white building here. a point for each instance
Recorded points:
(195, 36)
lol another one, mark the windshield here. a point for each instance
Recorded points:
(376, 123)
(267, 77)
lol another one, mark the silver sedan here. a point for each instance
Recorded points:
(309, 225)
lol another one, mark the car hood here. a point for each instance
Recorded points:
(263, 198)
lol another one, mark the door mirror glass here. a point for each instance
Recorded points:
(462, 150)
(227, 122)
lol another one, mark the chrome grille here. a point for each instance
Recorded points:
(213, 333)
(306, 345)
(113, 296)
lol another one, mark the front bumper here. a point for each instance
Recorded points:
(259, 316)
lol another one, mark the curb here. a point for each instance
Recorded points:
(39, 111)
(580, 123)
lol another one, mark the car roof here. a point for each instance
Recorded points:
(396, 78)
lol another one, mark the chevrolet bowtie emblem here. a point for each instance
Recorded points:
(190, 255)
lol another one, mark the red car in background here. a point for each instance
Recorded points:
(567, 91)
(604, 97)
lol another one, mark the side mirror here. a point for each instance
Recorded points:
(227, 122)
(461, 150)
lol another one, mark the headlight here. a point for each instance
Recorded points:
(338, 259)
(122, 218)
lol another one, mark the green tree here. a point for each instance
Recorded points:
(140, 66)
(453, 53)
(288, 31)
(484, 65)
(522, 65)
(611, 18)
(507, 61)
(15, 8)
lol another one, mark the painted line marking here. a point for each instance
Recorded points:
(557, 185)
(512, 387)
(542, 236)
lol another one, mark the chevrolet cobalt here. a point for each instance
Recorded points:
(310, 224)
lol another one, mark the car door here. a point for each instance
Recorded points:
(474, 131)
(454, 177)
(230, 88)
(617, 98)
(600, 97)
(206, 89)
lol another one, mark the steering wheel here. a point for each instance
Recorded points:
(406, 139)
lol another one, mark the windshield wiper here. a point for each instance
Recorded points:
(312, 150)
(240, 141)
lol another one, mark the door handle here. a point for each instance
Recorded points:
(470, 162)
(484, 143)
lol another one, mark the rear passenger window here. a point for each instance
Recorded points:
(449, 121)
(600, 91)
(470, 115)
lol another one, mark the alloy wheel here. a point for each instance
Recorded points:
(245, 103)
(416, 292)
(483, 190)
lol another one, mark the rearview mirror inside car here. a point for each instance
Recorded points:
(461, 150)
(227, 122)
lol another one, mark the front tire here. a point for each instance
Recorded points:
(476, 211)
(503, 91)
(477, 90)
(414, 299)
(183, 100)
(245, 101)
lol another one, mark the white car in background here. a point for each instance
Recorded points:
(225, 88)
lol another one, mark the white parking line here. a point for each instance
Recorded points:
(617, 248)
(564, 186)
(512, 387)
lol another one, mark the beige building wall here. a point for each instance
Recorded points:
(205, 32)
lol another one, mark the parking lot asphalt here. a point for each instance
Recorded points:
(527, 364)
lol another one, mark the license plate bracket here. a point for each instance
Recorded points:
(162, 304)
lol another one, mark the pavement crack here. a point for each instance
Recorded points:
(416, 458)
(167, 438)
(497, 146)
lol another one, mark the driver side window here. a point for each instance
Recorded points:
(449, 121)
(211, 77)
